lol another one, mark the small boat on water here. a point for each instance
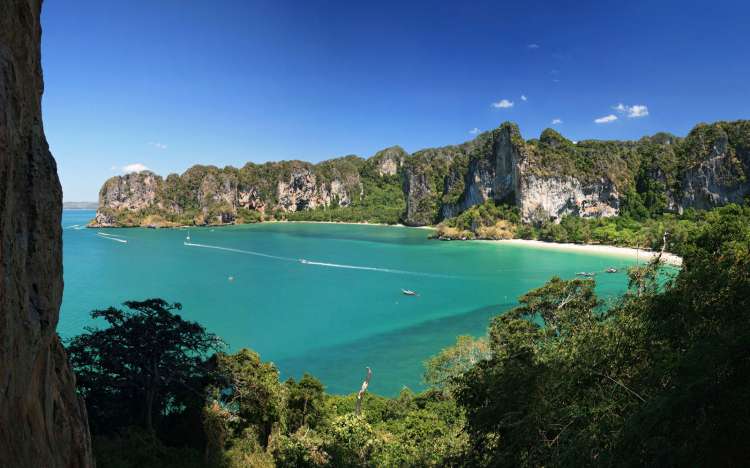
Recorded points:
(409, 292)
(304, 261)
(187, 238)
(586, 274)
(611, 270)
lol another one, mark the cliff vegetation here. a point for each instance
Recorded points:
(546, 179)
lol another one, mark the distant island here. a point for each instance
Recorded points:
(80, 205)
(496, 186)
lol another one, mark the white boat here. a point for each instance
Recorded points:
(585, 273)
(409, 292)
(303, 261)
(611, 270)
(187, 238)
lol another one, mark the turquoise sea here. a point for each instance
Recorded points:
(340, 311)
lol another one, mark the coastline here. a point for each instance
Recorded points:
(184, 226)
(668, 258)
(361, 223)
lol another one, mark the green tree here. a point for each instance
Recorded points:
(147, 363)
(451, 362)
(304, 406)
(250, 388)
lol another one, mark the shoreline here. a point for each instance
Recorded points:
(667, 258)
(191, 226)
(615, 251)
(354, 223)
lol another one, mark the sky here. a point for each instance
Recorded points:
(166, 84)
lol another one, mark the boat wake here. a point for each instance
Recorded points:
(110, 235)
(382, 270)
(246, 252)
(102, 236)
(314, 263)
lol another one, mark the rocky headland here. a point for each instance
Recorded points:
(546, 178)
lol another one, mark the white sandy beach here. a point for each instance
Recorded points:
(645, 255)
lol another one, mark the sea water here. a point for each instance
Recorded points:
(320, 298)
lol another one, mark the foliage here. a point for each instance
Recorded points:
(304, 402)
(660, 379)
(451, 362)
(135, 447)
(145, 366)
(489, 220)
(250, 389)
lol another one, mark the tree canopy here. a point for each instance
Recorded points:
(147, 363)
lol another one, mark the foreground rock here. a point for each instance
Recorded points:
(42, 421)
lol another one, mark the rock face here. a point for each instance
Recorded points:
(389, 161)
(554, 197)
(719, 171)
(133, 192)
(303, 192)
(206, 194)
(493, 175)
(42, 421)
(546, 178)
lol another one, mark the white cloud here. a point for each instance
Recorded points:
(135, 167)
(638, 111)
(606, 119)
(556, 121)
(634, 111)
(157, 145)
(524, 98)
(502, 104)
(533, 46)
(474, 131)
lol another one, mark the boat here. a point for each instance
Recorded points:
(409, 292)
(187, 238)
(585, 273)
(611, 270)
(304, 261)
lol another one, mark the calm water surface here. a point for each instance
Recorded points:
(332, 316)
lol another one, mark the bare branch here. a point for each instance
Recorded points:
(362, 391)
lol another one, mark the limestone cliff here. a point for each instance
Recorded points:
(210, 195)
(546, 178)
(42, 421)
(717, 165)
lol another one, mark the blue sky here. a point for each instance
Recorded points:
(171, 83)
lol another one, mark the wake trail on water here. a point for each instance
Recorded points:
(245, 252)
(102, 236)
(314, 263)
(110, 235)
(382, 270)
